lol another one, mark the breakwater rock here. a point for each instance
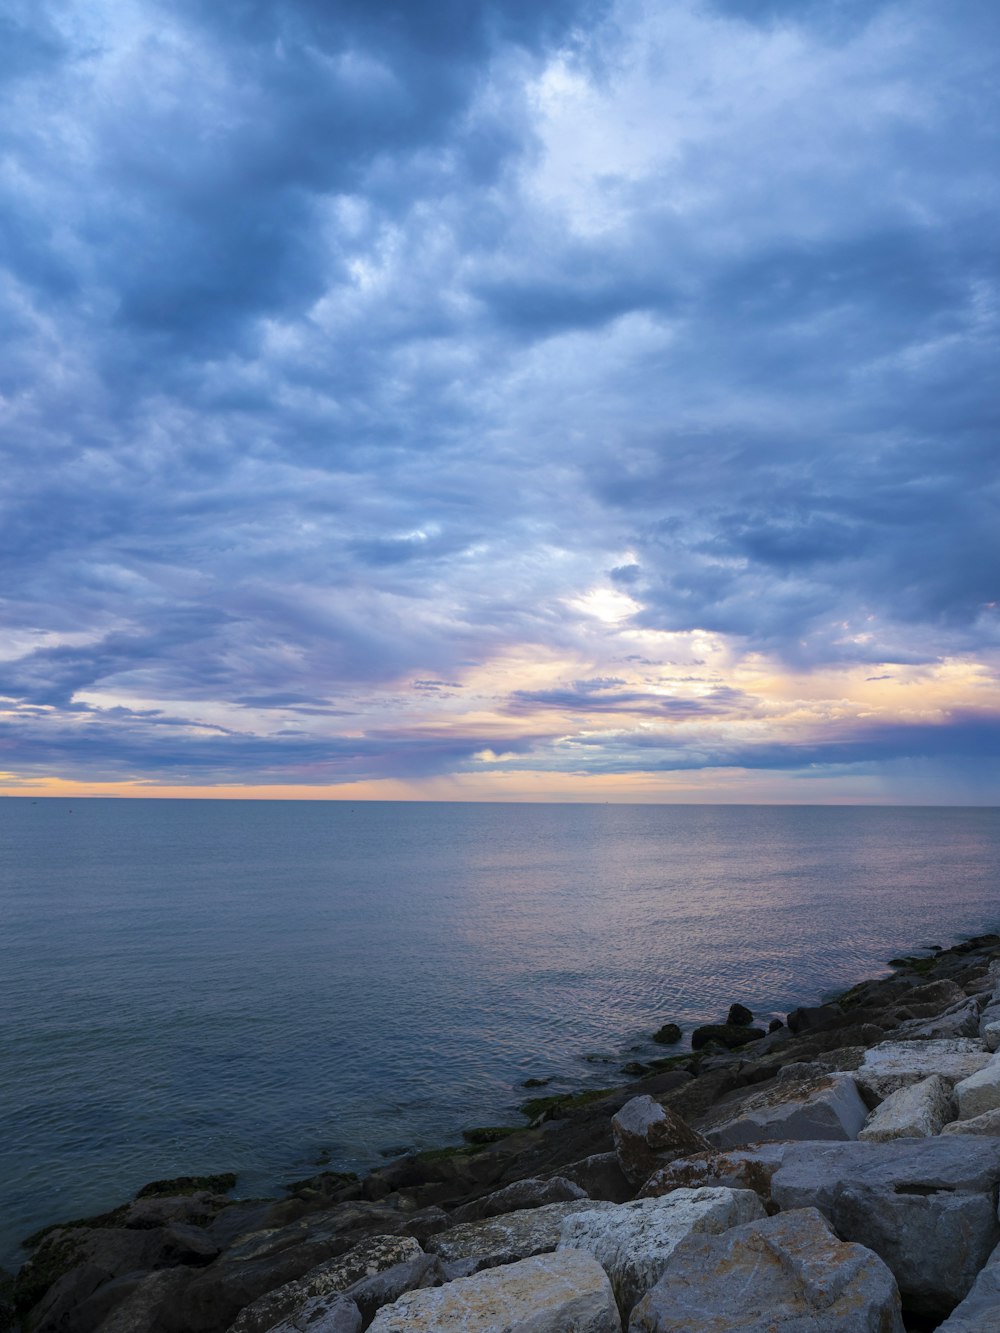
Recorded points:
(839, 1172)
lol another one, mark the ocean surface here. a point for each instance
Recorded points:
(270, 987)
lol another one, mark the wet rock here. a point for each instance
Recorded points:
(133, 1303)
(898, 1064)
(667, 1035)
(552, 1293)
(730, 1035)
(915, 1112)
(600, 1177)
(750, 1168)
(633, 1241)
(980, 1092)
(372, 1257)
(739, 1016)
(788, 1272)
(926, 1206)
(644, 1130)
(472, 1246)
(819, 1108)
(816, 1018)
(531, 1193)
(775, 1025)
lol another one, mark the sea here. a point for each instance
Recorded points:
(276, 988)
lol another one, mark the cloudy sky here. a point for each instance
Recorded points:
(500, 399)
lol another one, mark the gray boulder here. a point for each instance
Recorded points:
(961, 1020)
(600, 1176)
(927, 1207)
(818, 1108)
(917, 1112)
(472, 1246)
(988, 1123)
(644, 1131)
(787, 1272)
(633, 1241)
(980, 1092)
(566, 1292)
(980, 1311)
(323, 1314)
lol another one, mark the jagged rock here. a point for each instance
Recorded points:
(775, 1025)
(552, 1293)
(600, 1177)
(987, 1124)
(323, 1314)
(503, 1240)
(960, 1021)
(801, 1069)
(730, 1035)
(926, 1206)
(898, 1064)
(819, 1108)
(633, 1241)
(990, 1034)
(739, 1015)
(644, 1130)
(980, 1092)
(816, 1018)
(916, 1112)
(531, 1193)
(748, 1168)
(135, 1302)
(787, 1272)
(373, 1256)
(980, 1311)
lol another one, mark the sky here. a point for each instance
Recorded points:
(500, 399)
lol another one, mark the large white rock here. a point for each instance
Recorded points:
(818, 1108)
(552, 1293)
(916, 1112)
(990, 1032)
(472, 1246)
(786, 1272)
(980, 1092)
(634, 1240)
(898, 1064)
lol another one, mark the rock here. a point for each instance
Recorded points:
(789, 1271)
(818, 1108)
(644, 1130)
(748, 1168)
(980, 1092)
(925, 1206)
(531, 1193)
(633, 1241)
(136, 1301)
(986, 1124)
(802, 1069)
(739, 1016)
(472, 1246)
(815, 1019)
(668, 1035)
(898, 1064)
(323, 1314)
(553, 1293)
(775, 1025)
(980, 1311)
(730, 1035)
(373, 1256)
(600, 1177)
(990, 1034)
(960, 1021)
(917, 1112)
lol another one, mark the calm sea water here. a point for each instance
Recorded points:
(263, 986)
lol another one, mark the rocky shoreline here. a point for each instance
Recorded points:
(840, 1171)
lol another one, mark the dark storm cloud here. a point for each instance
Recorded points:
(335, 361)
